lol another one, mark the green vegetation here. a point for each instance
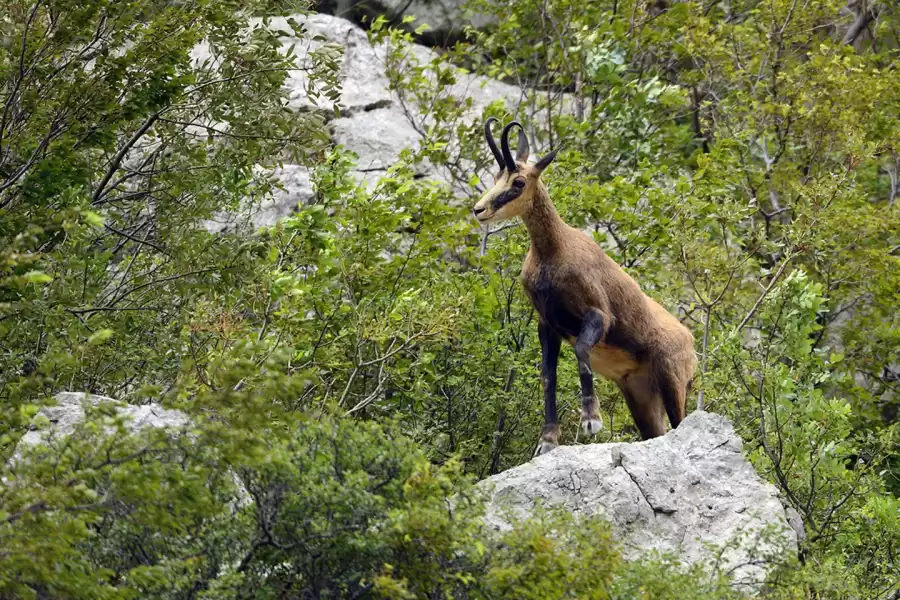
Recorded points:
(351, 370)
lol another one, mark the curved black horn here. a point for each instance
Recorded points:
(491, 143)
(504, 145)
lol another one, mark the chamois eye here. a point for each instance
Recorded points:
(519, 183)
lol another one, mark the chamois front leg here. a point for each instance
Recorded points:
(550, 344)
(593, 330)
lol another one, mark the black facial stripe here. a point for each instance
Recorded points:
(505, 197)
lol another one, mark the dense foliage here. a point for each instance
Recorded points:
(349, 371)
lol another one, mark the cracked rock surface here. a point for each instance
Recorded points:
(690, 492)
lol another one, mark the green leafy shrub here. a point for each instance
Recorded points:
(313, 508)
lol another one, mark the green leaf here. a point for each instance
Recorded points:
(38, 277)
(93, 218)
(100, 336)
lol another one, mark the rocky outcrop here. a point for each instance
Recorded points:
(69, 411)
(691, 493)
(295, 190)
(61, 420)
(373, 123)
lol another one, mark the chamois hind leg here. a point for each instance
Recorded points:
(672, 380)
(645, 404)
(593, 329)
(674, 397)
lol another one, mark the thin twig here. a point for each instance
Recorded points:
(765, 293)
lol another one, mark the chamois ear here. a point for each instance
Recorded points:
(542, 163)
(522, 150)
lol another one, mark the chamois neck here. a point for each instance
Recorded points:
(545, 227)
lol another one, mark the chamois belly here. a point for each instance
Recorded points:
(611, 362)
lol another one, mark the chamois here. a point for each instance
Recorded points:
(581, 295)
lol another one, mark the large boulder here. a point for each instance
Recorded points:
(373, 123)
(377, 137)
(63, 417)
(690, 493)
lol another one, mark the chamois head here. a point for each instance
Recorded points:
(516, 182)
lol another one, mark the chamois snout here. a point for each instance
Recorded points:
(503, 201)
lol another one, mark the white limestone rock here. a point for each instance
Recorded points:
(372, 121)
(69, 411)
(296, 190)
(377, 137)
(691, 493)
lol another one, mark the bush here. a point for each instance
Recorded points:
(315, 508)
